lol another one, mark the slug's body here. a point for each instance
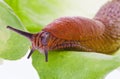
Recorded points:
(100, 34)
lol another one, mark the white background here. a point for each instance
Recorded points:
(20, 69)
(23, 69)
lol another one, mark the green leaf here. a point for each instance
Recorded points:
(74, 65)
(62, 64)
(12, 45)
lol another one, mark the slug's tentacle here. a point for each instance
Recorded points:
(26, 34)
(46, 54)
(31, 51)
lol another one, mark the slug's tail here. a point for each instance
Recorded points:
(26, 34)
(109, 13)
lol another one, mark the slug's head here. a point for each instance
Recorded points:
(39, 41)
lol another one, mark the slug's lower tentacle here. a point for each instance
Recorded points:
(31, 51)
(46, 54)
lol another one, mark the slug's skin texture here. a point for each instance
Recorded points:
(100, 34)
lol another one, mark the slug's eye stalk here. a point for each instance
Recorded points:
(28, 35)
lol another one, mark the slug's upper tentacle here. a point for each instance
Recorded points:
(26, 34)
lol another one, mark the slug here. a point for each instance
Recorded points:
(100, 34)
